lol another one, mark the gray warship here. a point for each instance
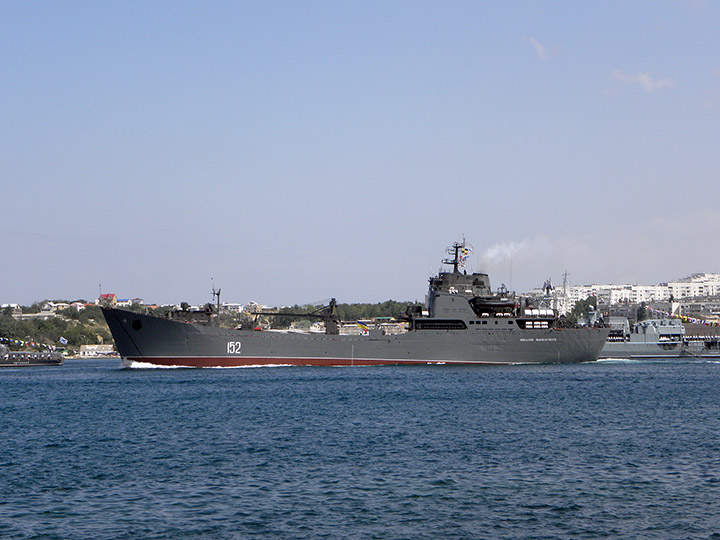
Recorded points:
(656, 339)
(464, 323)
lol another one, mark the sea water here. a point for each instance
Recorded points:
(602, 450)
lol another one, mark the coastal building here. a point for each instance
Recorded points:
(228, 307)
(696, 296)
(54, 306)
(109, 299)
(11, 309)
(95, 351)
(707, 308)
(129, 302)
(618, 294)
(254, 307)
(650, 293)
(696, 285)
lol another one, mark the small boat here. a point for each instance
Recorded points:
(29, 358)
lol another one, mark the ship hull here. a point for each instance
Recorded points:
(662, 350)
(147, 340)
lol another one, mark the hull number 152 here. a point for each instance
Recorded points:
(233, 347)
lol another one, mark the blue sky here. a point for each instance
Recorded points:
(297, 151)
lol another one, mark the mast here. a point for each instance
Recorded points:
(460, 252)
(216, 294)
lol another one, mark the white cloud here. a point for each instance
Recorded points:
(539, 49)
(643, 80)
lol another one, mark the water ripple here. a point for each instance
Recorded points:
(610, 450)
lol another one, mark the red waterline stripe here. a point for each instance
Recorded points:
(200, 361)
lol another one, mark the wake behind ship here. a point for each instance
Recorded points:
(464, 323)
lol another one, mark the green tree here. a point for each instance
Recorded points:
(70, 313)
(389, 308)
(35, 308)
(642, 313)
(581, 308)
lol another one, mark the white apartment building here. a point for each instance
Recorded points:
(696, 285)
(618, 294)
(650, 293)
(612, 294)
